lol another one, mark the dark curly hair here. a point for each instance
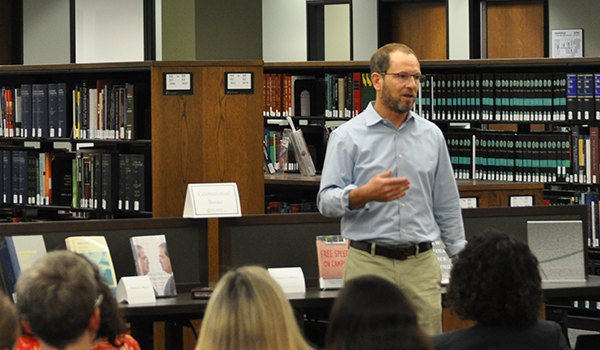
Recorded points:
(496, 282)
(373, 313)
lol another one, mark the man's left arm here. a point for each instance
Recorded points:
(446, 205)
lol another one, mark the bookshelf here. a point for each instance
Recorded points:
(186, 137)
(519, 107)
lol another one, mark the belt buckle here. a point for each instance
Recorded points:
(400, 254)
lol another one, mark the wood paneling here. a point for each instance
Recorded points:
(206, 137)
(515, 29)
(498, 193)
(421, 26)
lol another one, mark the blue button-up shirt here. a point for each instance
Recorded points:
(368, 145)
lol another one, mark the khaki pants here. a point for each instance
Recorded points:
(417, 276)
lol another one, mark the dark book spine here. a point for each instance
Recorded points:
(138, 183)
(62, 126)
(97, 181)
(53, 110)
(7, 176)
(33, 176)
(9, 274)
(42, 120)
(62, 179)
(110, 181)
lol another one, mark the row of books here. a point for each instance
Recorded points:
(278, 152)
(282, 207)
(571, 156)
(334, 95)
(485, 97)
(94, 179)
(89, 110)
(511, 97)
(18, 252)
(34, 111)
(110, 181)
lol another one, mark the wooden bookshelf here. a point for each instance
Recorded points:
(207, 135)
(488, 193)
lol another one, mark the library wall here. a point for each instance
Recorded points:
(228, 30)
(46, 22)
(284, 30)
(574, 14)
(178, 36)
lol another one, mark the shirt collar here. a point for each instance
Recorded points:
(372, 117)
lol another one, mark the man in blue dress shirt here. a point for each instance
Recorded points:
(387, 173)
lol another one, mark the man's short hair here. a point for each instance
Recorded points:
(380, 61)
(57, 296)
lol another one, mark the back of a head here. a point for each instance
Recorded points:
(248, 310)
(373, 313)
(496, 282)
(58, 294)
(10, 327)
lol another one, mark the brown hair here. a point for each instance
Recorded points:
(380, 61)
(9, 323)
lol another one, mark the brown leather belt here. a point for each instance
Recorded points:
(398, 253)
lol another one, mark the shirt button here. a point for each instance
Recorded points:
(403, 230)
(399, 156)
(402, 204)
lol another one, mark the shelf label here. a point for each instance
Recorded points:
(239, 83)
(178, 83)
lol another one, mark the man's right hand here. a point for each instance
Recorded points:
(381, 188)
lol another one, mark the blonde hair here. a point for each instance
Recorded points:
(10, 329)
(248, 310)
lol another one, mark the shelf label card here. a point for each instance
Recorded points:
(468, 202)
(178, 83)
(212, 200)
(239, 83)
(135, 290)
(290, 279)
(521, 201)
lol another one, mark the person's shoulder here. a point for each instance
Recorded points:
(448, 340)
(355, 124)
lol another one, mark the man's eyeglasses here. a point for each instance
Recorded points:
(403, 77)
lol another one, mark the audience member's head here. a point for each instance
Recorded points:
(248, 310)
(373, 313)
(64, 301)
(10, 327)
(496, 282)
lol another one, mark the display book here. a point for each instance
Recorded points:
(152, 259)
(17, 253)
(97, 251)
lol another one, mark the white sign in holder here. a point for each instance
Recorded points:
(135, 290)
(290, 279)
(212, 200)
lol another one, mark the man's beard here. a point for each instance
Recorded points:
(395, 105)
